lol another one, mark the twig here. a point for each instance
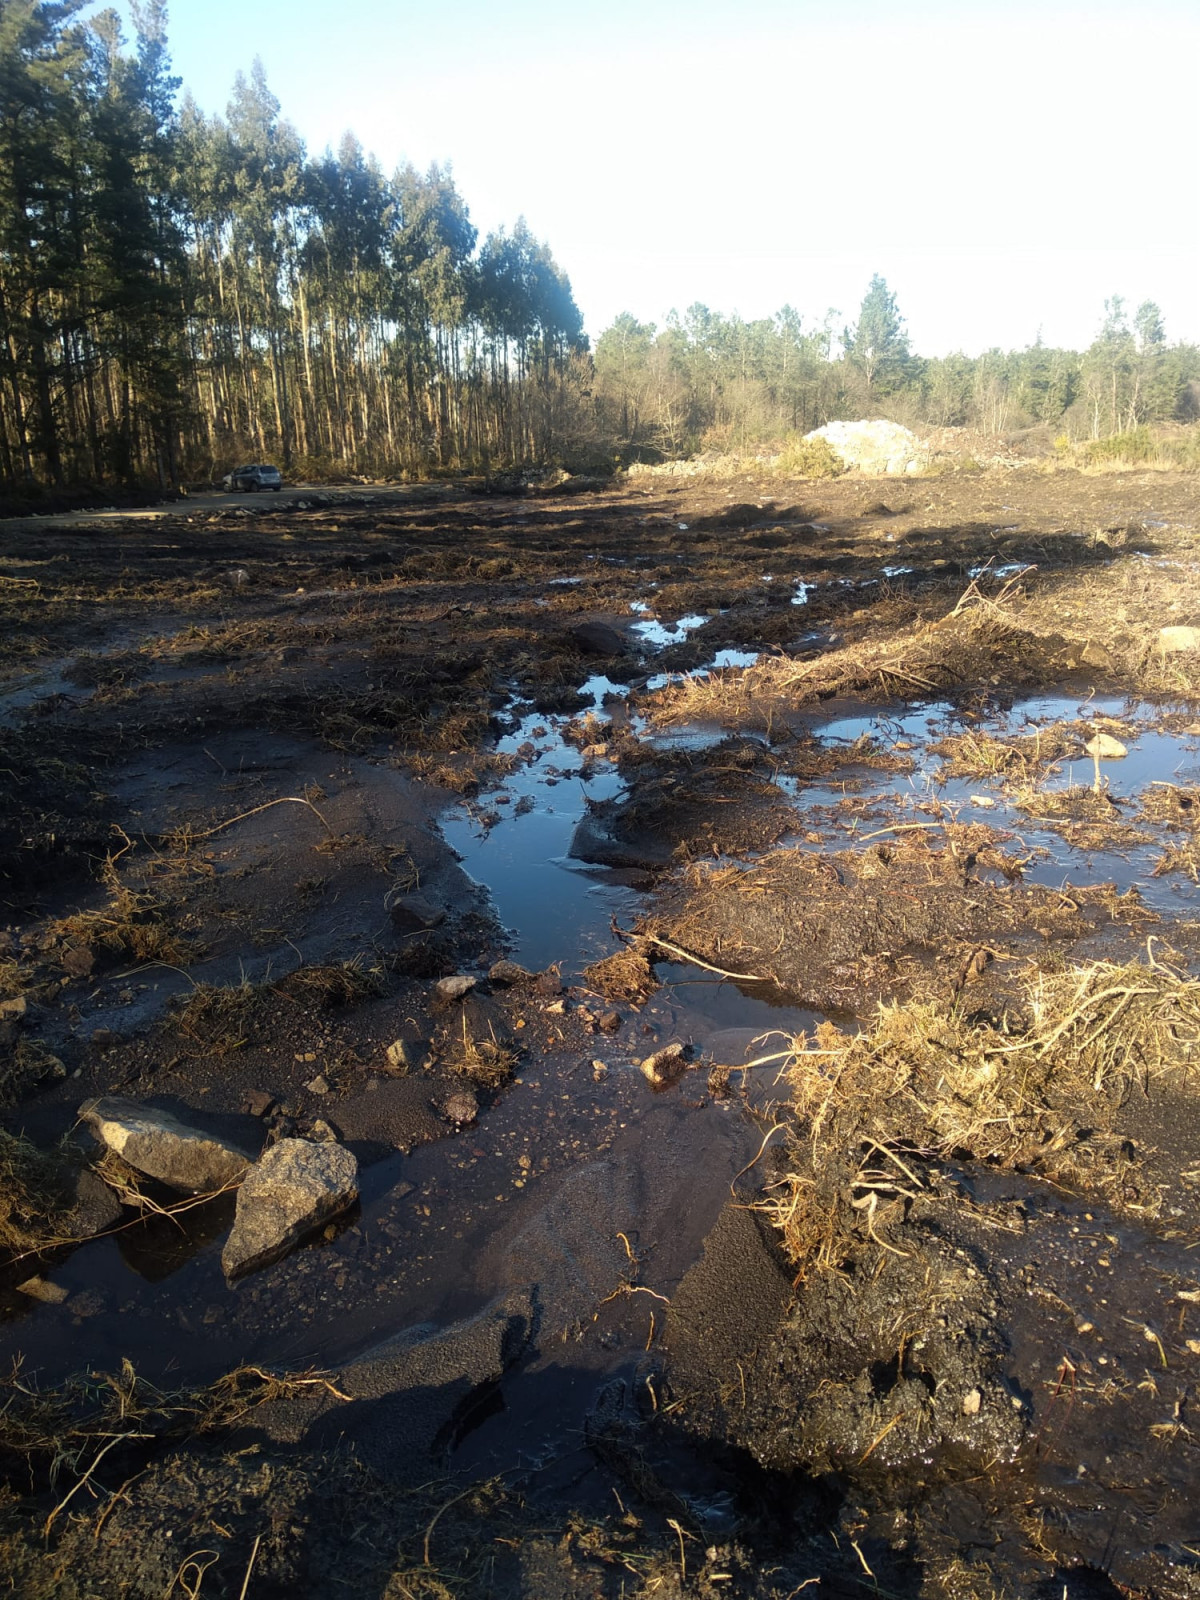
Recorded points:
(437, 1514)
(250, 1566)
(695, 961)
(774, 1128)
(287, 800)
(121, 1438)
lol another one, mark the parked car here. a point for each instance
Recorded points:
(251, 479)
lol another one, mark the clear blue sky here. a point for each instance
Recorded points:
(1004, 168)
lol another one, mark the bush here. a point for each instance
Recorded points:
(809, 458)
(1133, 447)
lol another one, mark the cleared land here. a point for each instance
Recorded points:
(886, 1278)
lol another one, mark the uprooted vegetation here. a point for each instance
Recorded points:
(1041, 1090)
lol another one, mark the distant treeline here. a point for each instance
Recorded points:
(179, 291)
(707, 380)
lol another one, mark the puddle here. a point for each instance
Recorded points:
(919, 796)
(653, 632)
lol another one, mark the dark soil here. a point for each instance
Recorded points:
(579, 1337)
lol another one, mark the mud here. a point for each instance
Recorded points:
(726, 766)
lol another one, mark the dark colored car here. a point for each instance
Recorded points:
(251, 479)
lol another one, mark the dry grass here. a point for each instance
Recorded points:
(34, 1197)
(222, 1018)
(930, 1082)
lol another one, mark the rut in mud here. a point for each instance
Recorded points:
(880, 1272)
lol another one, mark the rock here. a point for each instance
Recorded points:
(509, 973)
(13, 1009)
(1095, 655)
(413, 913)
(77, 962)
(609, 1021)
(161, 1146)
(318, 1085)
(50, 1294)
(323, 1132)
(1105, 748)
(665, 1065)
(258, 1103)
(96, 1207)
(597, 639)
(460, 1108)
(972, 1401)
(448, 990)
(1178, 641)
(549, 982)
(401, 1057)
(295, 1188)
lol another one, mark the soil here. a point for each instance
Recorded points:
(891, 1289)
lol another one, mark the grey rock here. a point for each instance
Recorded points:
(665, 1065)
(461, 1108)
(509, 973)
(161, 1146)
(413, 913)
(450, 989)
(96, 1207)
(1178, 641)
(289, 1193)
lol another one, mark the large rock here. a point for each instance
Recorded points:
(1178, 641)
(295, 1188)
(597, 639)
(161, 1146)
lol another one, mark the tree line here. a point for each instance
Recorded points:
(179, 290)
(705, 380)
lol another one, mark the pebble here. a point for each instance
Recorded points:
(318, 1085)
(454, 988)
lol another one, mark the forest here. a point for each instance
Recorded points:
(179, 291)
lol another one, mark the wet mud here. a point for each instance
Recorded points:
(887, 1284)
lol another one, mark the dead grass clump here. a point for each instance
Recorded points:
(1040, 1090)
(217, 1018)
(625, 975)
(1172, 804)
(24, 1068)
(1022, 760)
(345, 983)
(489, 1062)
(973, 646)
(34, 1198)
(63, 1432)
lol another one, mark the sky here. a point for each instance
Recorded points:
(1005, 169)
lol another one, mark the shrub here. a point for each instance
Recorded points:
(809, 458)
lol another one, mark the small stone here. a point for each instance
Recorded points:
(14, 1008)
(399, 1056)
(609, 1021)
(972, 1401)
(509, 973)
(556, 1008)
(448, 990)
(291, 1192)
(318, 1085)
(77, 962)
(1105, 748)
(322, 1132)
(461, 1108)
(259, 1103)
(549, 982)
(1194, 1347)
(665, 1065)
(50, 1294)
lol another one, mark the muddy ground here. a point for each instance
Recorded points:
(887, 1283)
